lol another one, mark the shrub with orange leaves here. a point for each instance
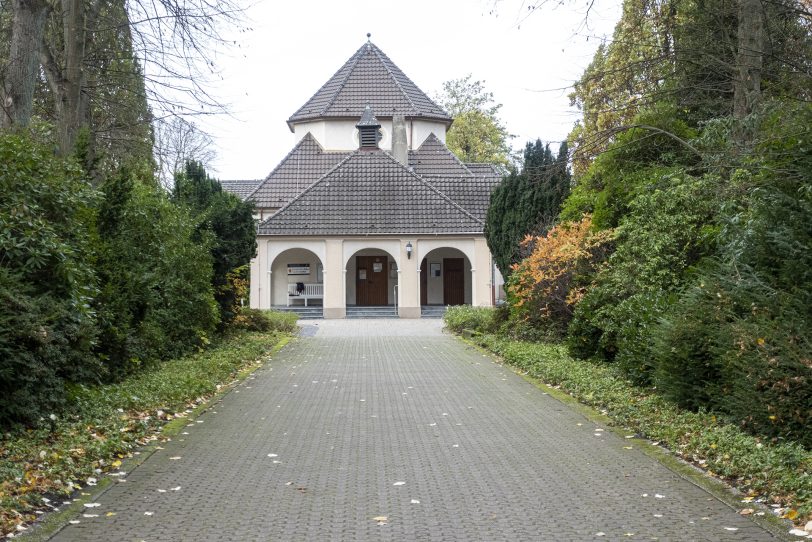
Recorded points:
(545, 287)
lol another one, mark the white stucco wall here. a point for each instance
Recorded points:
(341, 135)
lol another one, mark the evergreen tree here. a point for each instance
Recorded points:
(224, 217)
(526, 202)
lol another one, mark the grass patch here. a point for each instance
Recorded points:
(104, 424)
(764, 472)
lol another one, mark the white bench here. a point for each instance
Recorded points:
(311, 291)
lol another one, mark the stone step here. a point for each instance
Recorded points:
(372, 312)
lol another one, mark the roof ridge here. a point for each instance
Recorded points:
(357, 57)
(351, 62)
(381, 57)
(454, 156)
(308, 137)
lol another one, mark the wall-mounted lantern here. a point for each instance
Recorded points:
(409, 250)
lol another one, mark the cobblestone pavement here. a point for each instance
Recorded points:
(389, 430)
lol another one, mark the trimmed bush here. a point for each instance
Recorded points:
(264, 320)
(480, 319)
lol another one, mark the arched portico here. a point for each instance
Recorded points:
(372, 277)
(446, 277)
(296, 276)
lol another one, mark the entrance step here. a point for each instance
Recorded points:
(432, 311)
(357, 312)
(305, 313)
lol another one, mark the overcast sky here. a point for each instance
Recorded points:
(294, 47)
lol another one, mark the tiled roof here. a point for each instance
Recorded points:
(439, 166)
(433, 158)
(370, 193)
(472, 193)
(240, 188)
(303, 166)
(369, 77)
(486, 170)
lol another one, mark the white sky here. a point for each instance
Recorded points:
(294, 47)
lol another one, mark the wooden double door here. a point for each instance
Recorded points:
(453, 273)
(371, 280)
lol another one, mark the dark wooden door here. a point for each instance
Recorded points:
(453, 281)
(424, 283)
(371, 280)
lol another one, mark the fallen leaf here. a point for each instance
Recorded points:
(74, 521)
(746, 511)
(148, 513)
(380, 518)
(658, 496)
(791, 514)
(161, 491)
(415, 501)
(110, 514)
(399, 484)
(92, 504)
(177, 488)
(116, 464)
(90, 515)
(175, 458)
(599, 533)
(731, 528)
(798, 532)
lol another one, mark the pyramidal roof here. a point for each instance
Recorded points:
(369, 78)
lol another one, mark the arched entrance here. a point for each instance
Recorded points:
(371, 279)
(297, 278)
(445, 278)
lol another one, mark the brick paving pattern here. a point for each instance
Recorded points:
(359, 420)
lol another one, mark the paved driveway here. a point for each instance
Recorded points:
(389, 430)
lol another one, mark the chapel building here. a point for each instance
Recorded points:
(370, 208)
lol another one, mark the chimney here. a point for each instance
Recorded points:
(368, 130)
(400, 148)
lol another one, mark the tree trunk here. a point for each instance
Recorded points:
(73, 107)
(749, 58)
(21, 72)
